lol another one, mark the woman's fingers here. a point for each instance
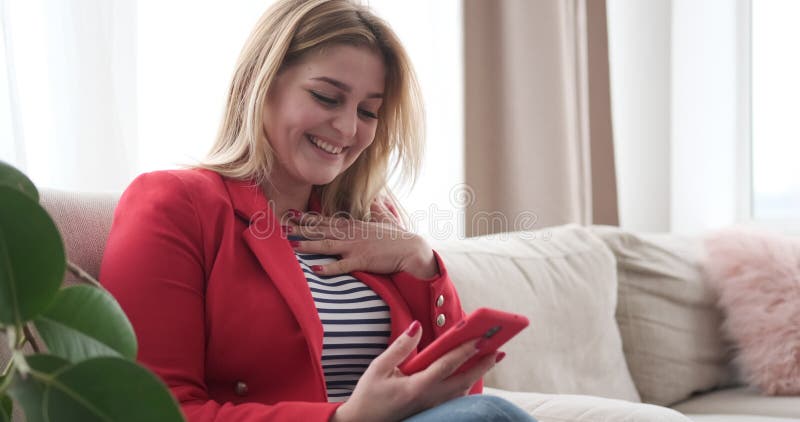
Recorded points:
(359, 246)
(446, 365)
(318, 220)
(327, 232)
(399, 350)
(463, 382)
(323, 246)
(352, 257)
(343, 266)
(459, 385)
(328, 247)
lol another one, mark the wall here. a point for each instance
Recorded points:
(639, 49)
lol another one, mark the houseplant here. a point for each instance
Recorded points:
(88, 372)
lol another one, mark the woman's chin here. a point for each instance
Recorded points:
(319, 179)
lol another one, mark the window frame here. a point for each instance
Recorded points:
(745, 153)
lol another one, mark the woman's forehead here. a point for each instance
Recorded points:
(358, 70)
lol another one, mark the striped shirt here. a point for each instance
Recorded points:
(355, 322)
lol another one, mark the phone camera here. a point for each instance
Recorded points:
(492, 331)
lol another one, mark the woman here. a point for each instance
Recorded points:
(252, 296)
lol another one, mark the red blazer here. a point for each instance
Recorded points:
(220, 306)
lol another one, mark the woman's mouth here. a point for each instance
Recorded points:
(324, 146)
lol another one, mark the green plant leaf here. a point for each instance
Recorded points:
(29, 391)
(85, 322)
(32, 259)
(109, 389)
(16, 179)
(100, 389)
(6, 408)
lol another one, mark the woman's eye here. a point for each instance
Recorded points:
(330, 102)
(368, 114)
(323, 99)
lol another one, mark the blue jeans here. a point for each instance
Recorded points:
(474, 408)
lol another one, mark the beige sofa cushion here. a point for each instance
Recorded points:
(667, 316)
(84, 220)
(738, 418)
(579, 408)
(742, 400)
(566, 284)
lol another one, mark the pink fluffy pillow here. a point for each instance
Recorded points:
(757, 276)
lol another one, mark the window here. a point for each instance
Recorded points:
(775, 111)
(706, 113)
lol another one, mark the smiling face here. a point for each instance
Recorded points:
(321, 113)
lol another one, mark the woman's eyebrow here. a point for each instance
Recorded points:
(343, 86)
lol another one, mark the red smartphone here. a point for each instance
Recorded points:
(497, 327)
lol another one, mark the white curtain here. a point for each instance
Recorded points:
(94, 92)
(69, 102)
(98, 91)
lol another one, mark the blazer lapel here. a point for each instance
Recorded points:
(265, 239)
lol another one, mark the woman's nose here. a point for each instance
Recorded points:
(346, 123)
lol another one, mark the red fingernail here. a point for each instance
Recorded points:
(295, 213)
(287, 229)
(499, 357)
(295, 243)
(413, 328)
(316, 268)
(480, 343)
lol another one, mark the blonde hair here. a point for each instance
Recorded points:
(288, 31)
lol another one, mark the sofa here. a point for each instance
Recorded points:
(623, 325)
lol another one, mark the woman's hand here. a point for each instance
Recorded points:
(384, 393)
(382, 248)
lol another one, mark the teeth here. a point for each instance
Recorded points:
(330, 149)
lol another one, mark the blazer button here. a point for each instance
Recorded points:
(440, 300)
(240, 389)
(440, 320)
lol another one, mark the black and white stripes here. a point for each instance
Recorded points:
(355, 323)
